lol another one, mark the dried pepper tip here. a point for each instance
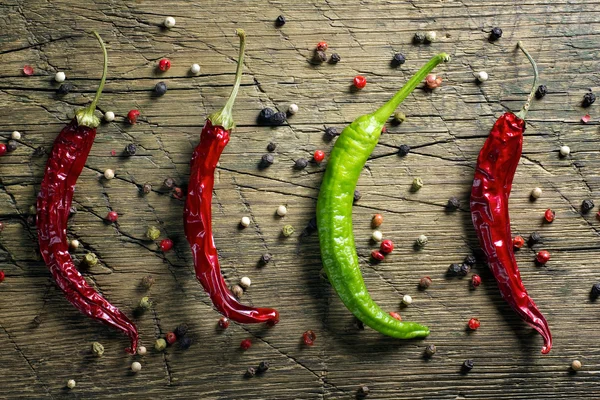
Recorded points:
(90, 259)
(85, 116)
(430, 350)
(160, 344)
(417, 184)
(587, 206)
(541, 91)
(523, 112)
(224, 117)
(97, 349)
(309, 338)
(152, 232)
(147, 282)
(287, 230)
(145, 303)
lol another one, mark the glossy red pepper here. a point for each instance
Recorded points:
(68, 156)
(197, 213)
(496, 166)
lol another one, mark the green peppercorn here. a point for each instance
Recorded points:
(160, 344)
(145, 303)
(97, 349)
(422, 241)
(287, 230)
(430, 350)
(90, 259)
(417, 184)
(153, 233)
(399, 117)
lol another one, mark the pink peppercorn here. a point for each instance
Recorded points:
(223, 322)
(112, 216)
(377, 255)
(166, 245)
(542, 257)
(309, 338)
(387, 246)
(28, 70)
(474, 324)
(164, 64)
(360, 82)
(132, 116)
(475, 280)
(245, 344)
(2, 276)
(549, 215)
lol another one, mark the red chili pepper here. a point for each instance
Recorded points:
(496, 166)
(197, 212)
(68, 156)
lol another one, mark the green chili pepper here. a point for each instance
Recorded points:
(334, 213)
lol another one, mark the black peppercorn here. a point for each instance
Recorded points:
(263, 366)
(280, 21)
(265, 258)
(495, 34)
(160, 88)
(357, 195)
(453, 203)
(250, 372)
(335, 58)
(169, 183)
(278, 118)
(468, 365)
(541, 91)
(586, 206)
(130, 149)
(320, 56)
(596, 290)
(64, 88)
(271, 146)
(267, 160)
(464, 269)
(419, 37)
(11, 145)
(403, 150)
(301, 163)
(312, 224)
(534, 238)
(398, 59)
(185, 342)
(265, 115)
(39, 151)
(147, 188)
(470, 260)
(588, 99)
(363, 391)
(330, 133)
(454, 269)
(181, 330)
(430, 350)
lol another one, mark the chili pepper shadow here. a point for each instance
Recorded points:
(528, 343)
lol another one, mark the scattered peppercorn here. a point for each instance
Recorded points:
(301, 163)
(223, 322)
(177, 193)
(407, 300)
(145, 303)
(576, 365)
(169, 183)
(433, 81)
(377, 220)
(97, 349)
(363, 391)
(357, 195)
(454, 269)
(237, 291)
(152, 232)
(586, 118)
(319, 156)
(534, 238)
(425, 282)
(422, 241)
(195, 69)
(271, 146)
(160, 344)
(595, 290)
(588, 99)
(132, 116)
(549, 215)
(453, 203)
(430, 36)
(468, 365)
(280, 21)
(541, 91)
(90, 259)
(387, 246)
(287, 230)
(147, 281)
(430, 350)
(403, 150)
(417, 184)
(166, 245)
(398, 59)
(464, 269)
(71, 383)
(245, 344)
(309, 338)
(586, 206)
(11, 145)
(542, 257)
(136, 367)
(169, 22)
(495, 34)
(28, 70)
(265, 115)
(518, 242)
(474, 324)
(335, 58)
(320, 56)
(2, 276)
(146, 188)
(39, 151)
(536, 193)
(170, 337)
(142, 350)
(419, 37)
(266, 160)
(482, 76)
(265, 258)
(475, 280)
(181, 330)
(131, 149)
(164, 64)
(377, 255)
(399, 117)
(322, 46)
(250, 372)
(160, 88)
(263, 366)
(112, 216)
(360, 82)
(330, 133)
(64, 88)
(245, 282)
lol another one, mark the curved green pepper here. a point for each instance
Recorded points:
(334, 213)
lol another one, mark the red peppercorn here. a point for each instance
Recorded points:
(2, 149)
(518, 242)
(542, 257)
(132, 116)
(166, 245)
(164, 64)
(319, 156)
(549, 215)
(360, 81)
(177, 193)
(309, 338)
(28, 70)
(395, 315)
(2, 276)
(112, 216)
(223, 322)
(322, 46)
(377, 255)
(387, 246)
(475, 280)
(474, 324)
(171, 338)
(245, 344)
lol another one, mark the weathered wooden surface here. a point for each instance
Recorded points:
(445, 129)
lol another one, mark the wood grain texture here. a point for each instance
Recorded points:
(445, 129)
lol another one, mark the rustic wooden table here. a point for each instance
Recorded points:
(44, 341)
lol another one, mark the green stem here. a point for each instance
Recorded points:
(384, 112)
(521, 114)
(85, 116)
(224, 117)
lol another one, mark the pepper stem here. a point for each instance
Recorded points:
(521, 114)
(85, 116)
(384, 112)
(224, 117)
